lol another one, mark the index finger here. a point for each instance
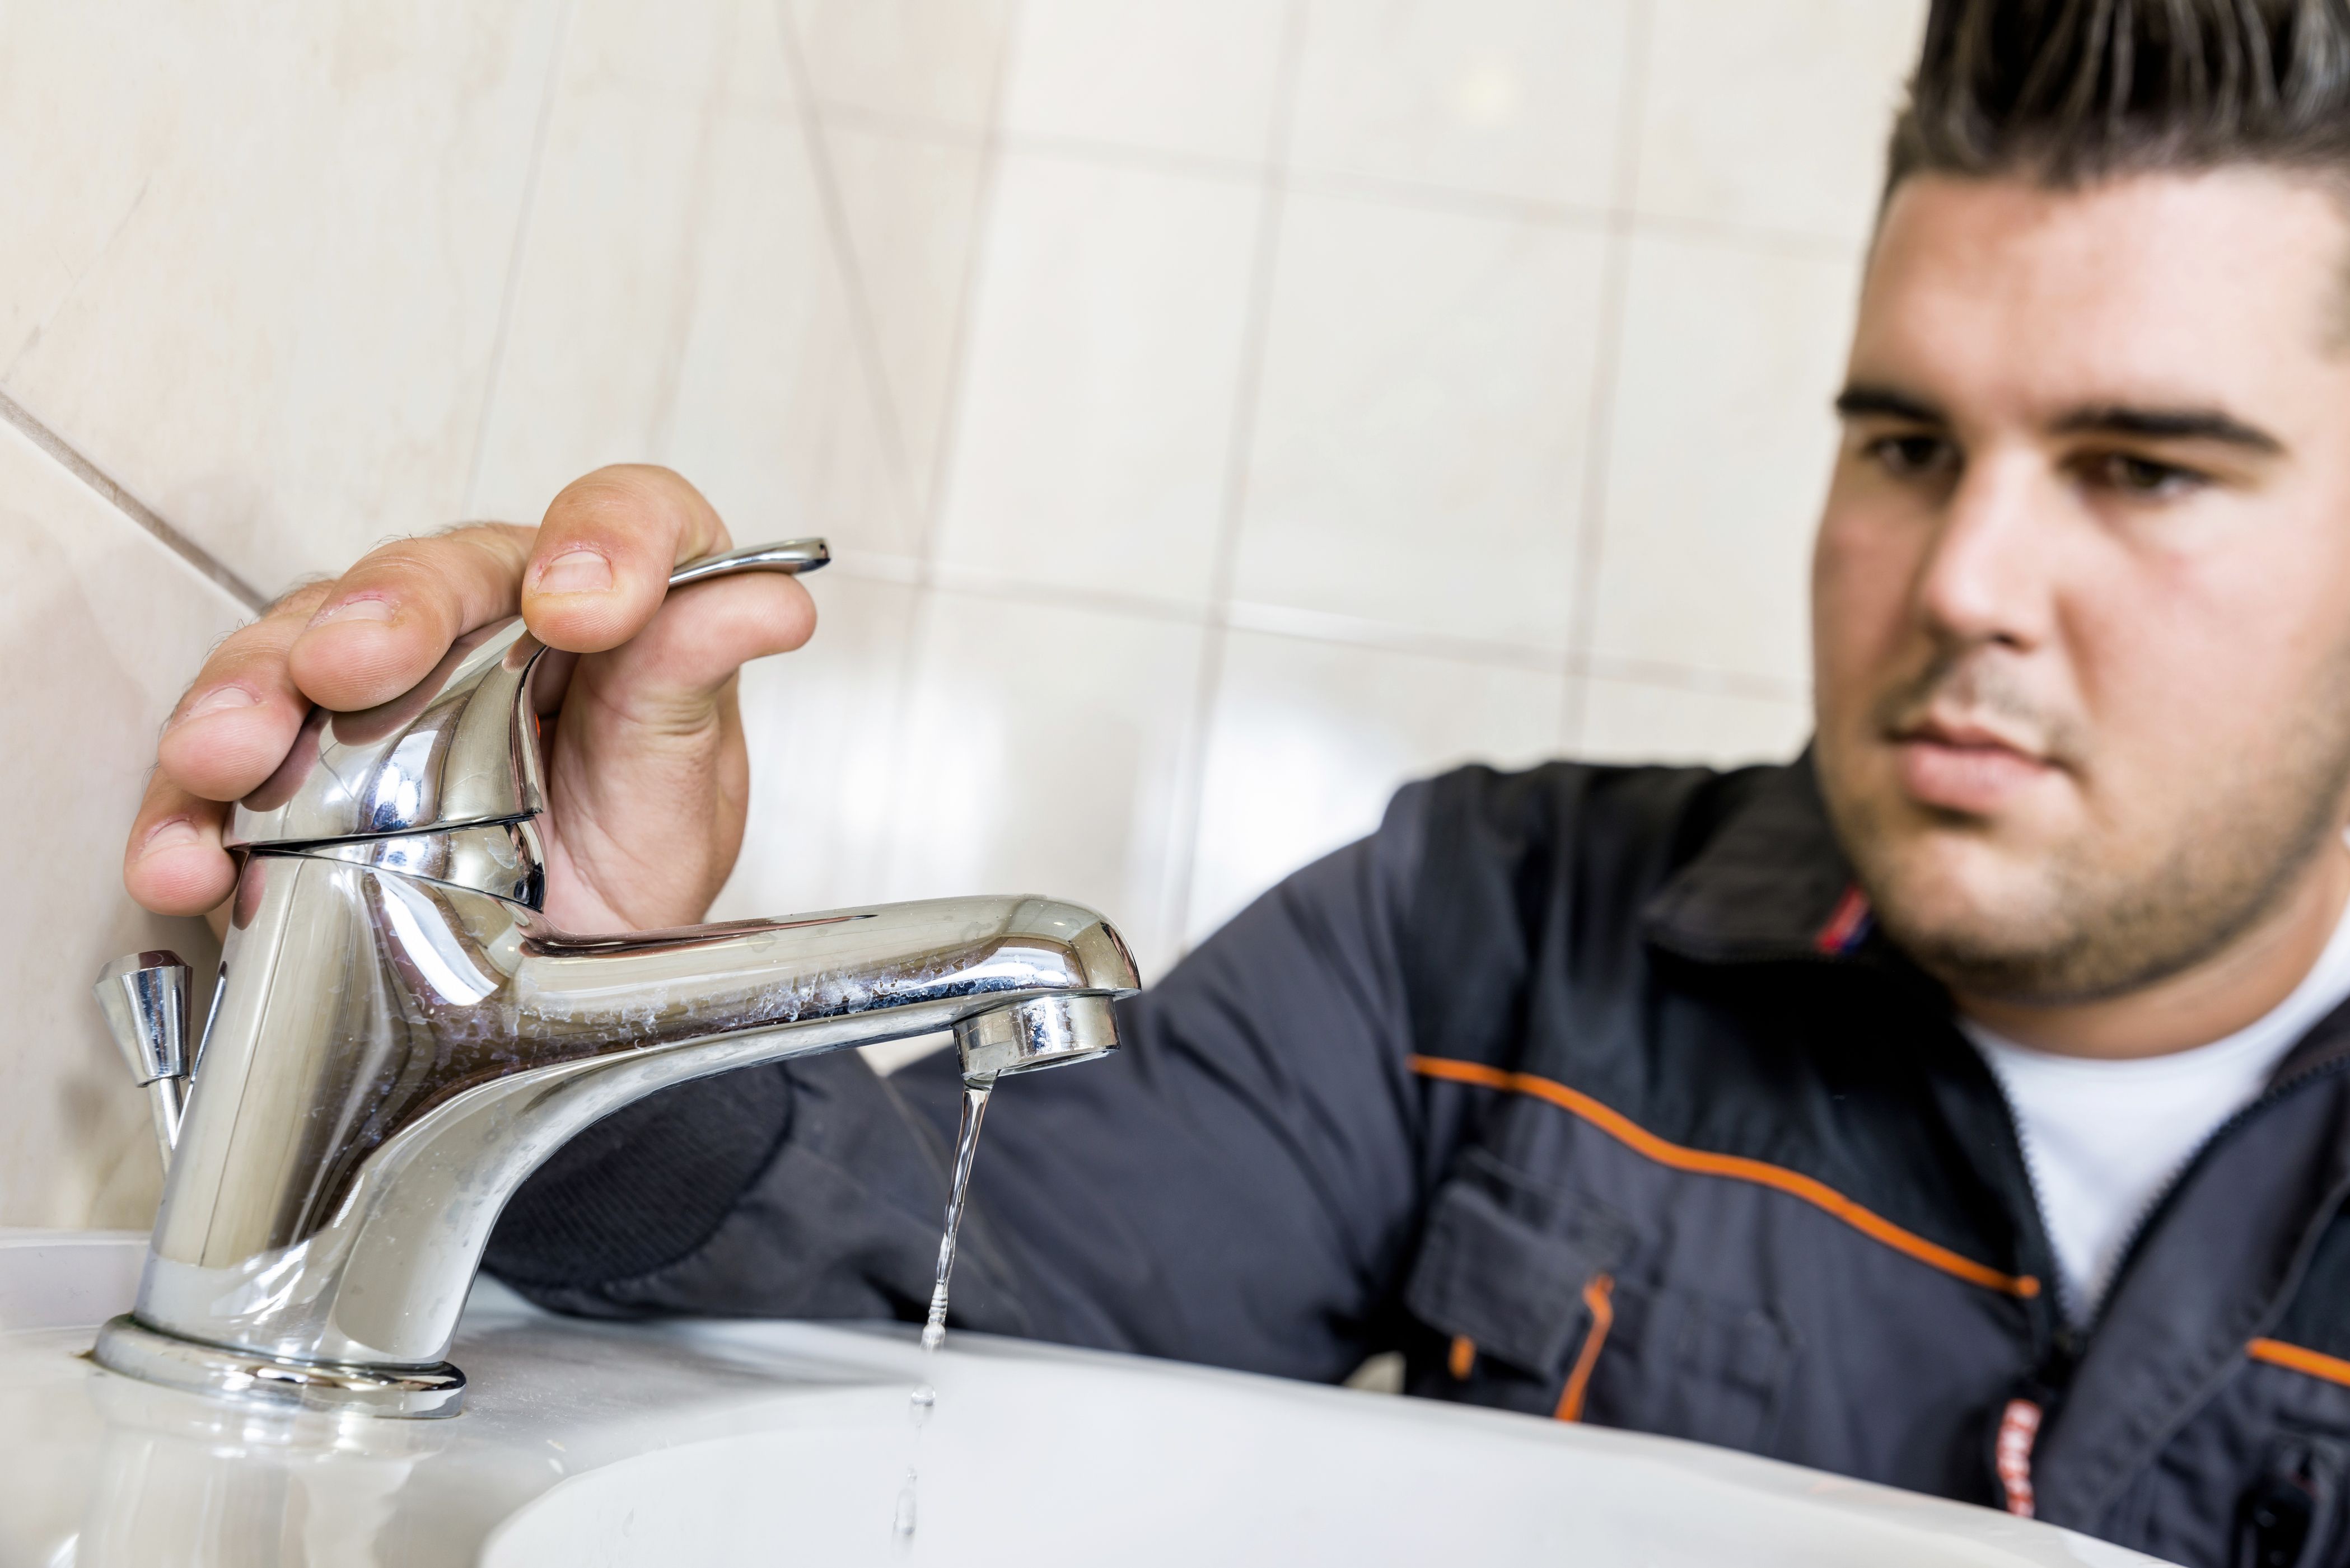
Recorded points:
(387, 621)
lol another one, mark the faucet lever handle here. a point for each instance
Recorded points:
(458, 750)
(791, 556)
(145, 999)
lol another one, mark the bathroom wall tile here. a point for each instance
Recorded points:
(1774, 112)
(680, 300)
(912, 206)
(1418, 451)
(101, 627)
(1046, 749)
(1308, 740)
(282, 338)
(780, 414)
(1505, 97)
(667, 52)
(1723, 438)
(1104, 358)
(57, 69)
(1173, 76)
(1645, 721)
(937, 60)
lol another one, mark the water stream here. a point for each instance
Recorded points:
(975, 1092)
(975, 1111)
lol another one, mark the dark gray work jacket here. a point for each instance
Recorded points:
(1593, 1092)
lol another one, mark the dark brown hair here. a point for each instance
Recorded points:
(2068, 91)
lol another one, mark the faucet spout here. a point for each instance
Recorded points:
(391, 1053)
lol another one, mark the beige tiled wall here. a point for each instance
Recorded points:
(1223, 410)
(99, 620)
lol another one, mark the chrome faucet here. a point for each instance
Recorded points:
(398, 1037)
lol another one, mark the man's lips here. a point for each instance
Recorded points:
(1965, 767)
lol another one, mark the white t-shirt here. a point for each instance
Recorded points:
(2103, 1139)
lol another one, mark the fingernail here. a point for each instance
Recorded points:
(171, 833)
(219, 700)
(357, 610)
(575, 571)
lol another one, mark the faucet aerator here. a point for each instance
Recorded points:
(1028, 1036)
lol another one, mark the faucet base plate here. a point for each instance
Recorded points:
(131, 1348)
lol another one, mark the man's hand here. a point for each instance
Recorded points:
(646, 776)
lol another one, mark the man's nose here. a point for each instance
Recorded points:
(1987, 576)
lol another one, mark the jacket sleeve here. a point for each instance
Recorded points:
(1237, 1185)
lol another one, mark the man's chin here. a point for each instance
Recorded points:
(1956, 889)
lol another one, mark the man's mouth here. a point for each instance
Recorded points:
(1966, 765)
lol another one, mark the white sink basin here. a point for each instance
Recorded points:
(720, 1443)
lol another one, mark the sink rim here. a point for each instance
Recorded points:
(500, 1325)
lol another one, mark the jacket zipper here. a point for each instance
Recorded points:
(2059, 1286)
(2054, 1357)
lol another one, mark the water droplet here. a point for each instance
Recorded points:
(901, 1518)
(918, 1405)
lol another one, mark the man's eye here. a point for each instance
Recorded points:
(2142, 479)
(1904, 456)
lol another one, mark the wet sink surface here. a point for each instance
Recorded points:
(773, 1443)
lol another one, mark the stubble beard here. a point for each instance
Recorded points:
(2106, 919)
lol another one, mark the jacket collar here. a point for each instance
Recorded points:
(1772, 883)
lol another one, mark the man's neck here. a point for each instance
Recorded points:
(2229, 991)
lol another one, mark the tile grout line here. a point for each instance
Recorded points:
(1376, 189)
(1599, 430)
(1315, 626)
(667, 382)
(17, 415)
(836, 223)
(1191, 798)
(943, 442)
(921, 618)
(517, 254)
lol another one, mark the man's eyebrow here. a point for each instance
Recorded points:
(1862, 401)
(2168, 424)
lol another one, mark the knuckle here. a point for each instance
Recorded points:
(420, 558)
(301, 600)
(495, 551)
(259, 646)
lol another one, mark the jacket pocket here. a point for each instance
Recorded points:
(1504, 1265)
(2290, 1518)
(1537, 1301)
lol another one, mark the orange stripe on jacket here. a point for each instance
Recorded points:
(1599, 1296)
(1737, 1168)
(2317, 1363)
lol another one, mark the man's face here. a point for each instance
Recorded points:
(2081, 598)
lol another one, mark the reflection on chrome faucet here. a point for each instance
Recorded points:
(223, 1486)
(400, 1037)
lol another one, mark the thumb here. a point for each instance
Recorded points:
(599, 566)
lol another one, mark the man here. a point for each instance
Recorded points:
(1966, 1105)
